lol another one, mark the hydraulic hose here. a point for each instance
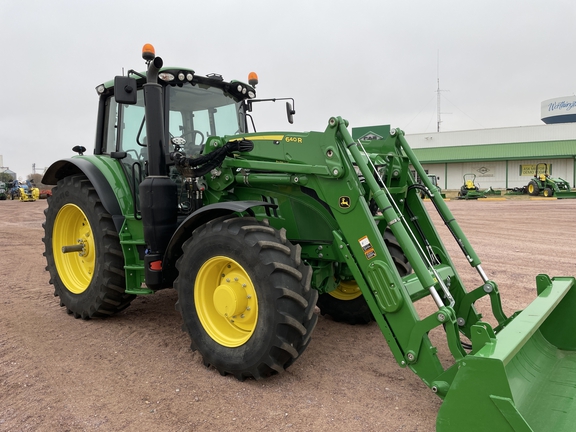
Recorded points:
(204, 164)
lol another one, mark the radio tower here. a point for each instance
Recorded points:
(438, 120)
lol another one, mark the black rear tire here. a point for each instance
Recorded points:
(90, 283)
(533, 188)
(245, 297)
(347, 304)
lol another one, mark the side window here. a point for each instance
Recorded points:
(132, 129)
(111, 121)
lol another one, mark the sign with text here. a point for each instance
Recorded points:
(527, 170)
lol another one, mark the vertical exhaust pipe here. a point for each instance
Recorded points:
(158, 194)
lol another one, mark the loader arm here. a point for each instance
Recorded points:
(350, 193)
(346, 230)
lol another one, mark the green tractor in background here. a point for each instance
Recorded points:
(433, 178)
(253, 229)
(543, 184)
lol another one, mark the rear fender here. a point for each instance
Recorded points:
(196, 219)
(67, 167)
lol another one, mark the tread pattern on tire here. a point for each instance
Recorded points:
(287, 292)
(106, 294)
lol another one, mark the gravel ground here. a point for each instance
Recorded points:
(136, 372)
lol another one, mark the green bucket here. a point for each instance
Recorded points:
(523, 379)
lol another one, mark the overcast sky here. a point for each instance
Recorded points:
(371, 62)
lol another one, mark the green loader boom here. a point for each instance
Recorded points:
(254, 229)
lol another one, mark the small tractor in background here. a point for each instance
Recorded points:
(253, 229)
(3, 192)
(543, 184)
(433, 178)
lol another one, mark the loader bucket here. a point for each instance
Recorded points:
(565, 195)
(523, 379)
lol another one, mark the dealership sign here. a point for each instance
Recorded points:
(527, 170)
(559, 110)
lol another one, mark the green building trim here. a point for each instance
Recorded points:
(498, 152)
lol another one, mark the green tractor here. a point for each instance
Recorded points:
(543, 184)
(434, 181)
(254, 229)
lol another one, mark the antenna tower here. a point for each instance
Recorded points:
(438, 112)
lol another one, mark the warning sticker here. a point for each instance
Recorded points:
(367, 247)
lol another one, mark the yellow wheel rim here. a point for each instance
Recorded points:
(226, 301)
(530, 188)
(71, 228)
(347, 290)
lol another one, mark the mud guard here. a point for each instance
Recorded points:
(200, 217)
(67, 167)
(523, 379)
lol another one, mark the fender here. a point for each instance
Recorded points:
(196, 219)
(67, 167)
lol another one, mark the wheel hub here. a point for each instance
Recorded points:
(226, 301)
(230, 299)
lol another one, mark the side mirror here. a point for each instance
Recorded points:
(290, 112)
(125, 90)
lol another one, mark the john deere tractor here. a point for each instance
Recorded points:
(253, 229)
(543, 184)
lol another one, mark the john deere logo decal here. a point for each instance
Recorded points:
(344, 202)
(369, 136)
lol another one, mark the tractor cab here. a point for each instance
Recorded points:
(186, 110)
(195, 107)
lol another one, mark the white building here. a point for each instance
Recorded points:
(500, 158)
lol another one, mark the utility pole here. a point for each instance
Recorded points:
(438, 119)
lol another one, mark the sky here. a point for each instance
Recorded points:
(371, 62)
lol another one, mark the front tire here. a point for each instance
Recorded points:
(245, 297)
(89, 282)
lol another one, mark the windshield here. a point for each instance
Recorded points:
(195, 113)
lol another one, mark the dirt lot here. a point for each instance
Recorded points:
(135, 371)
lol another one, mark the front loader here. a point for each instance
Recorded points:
(254, 229)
